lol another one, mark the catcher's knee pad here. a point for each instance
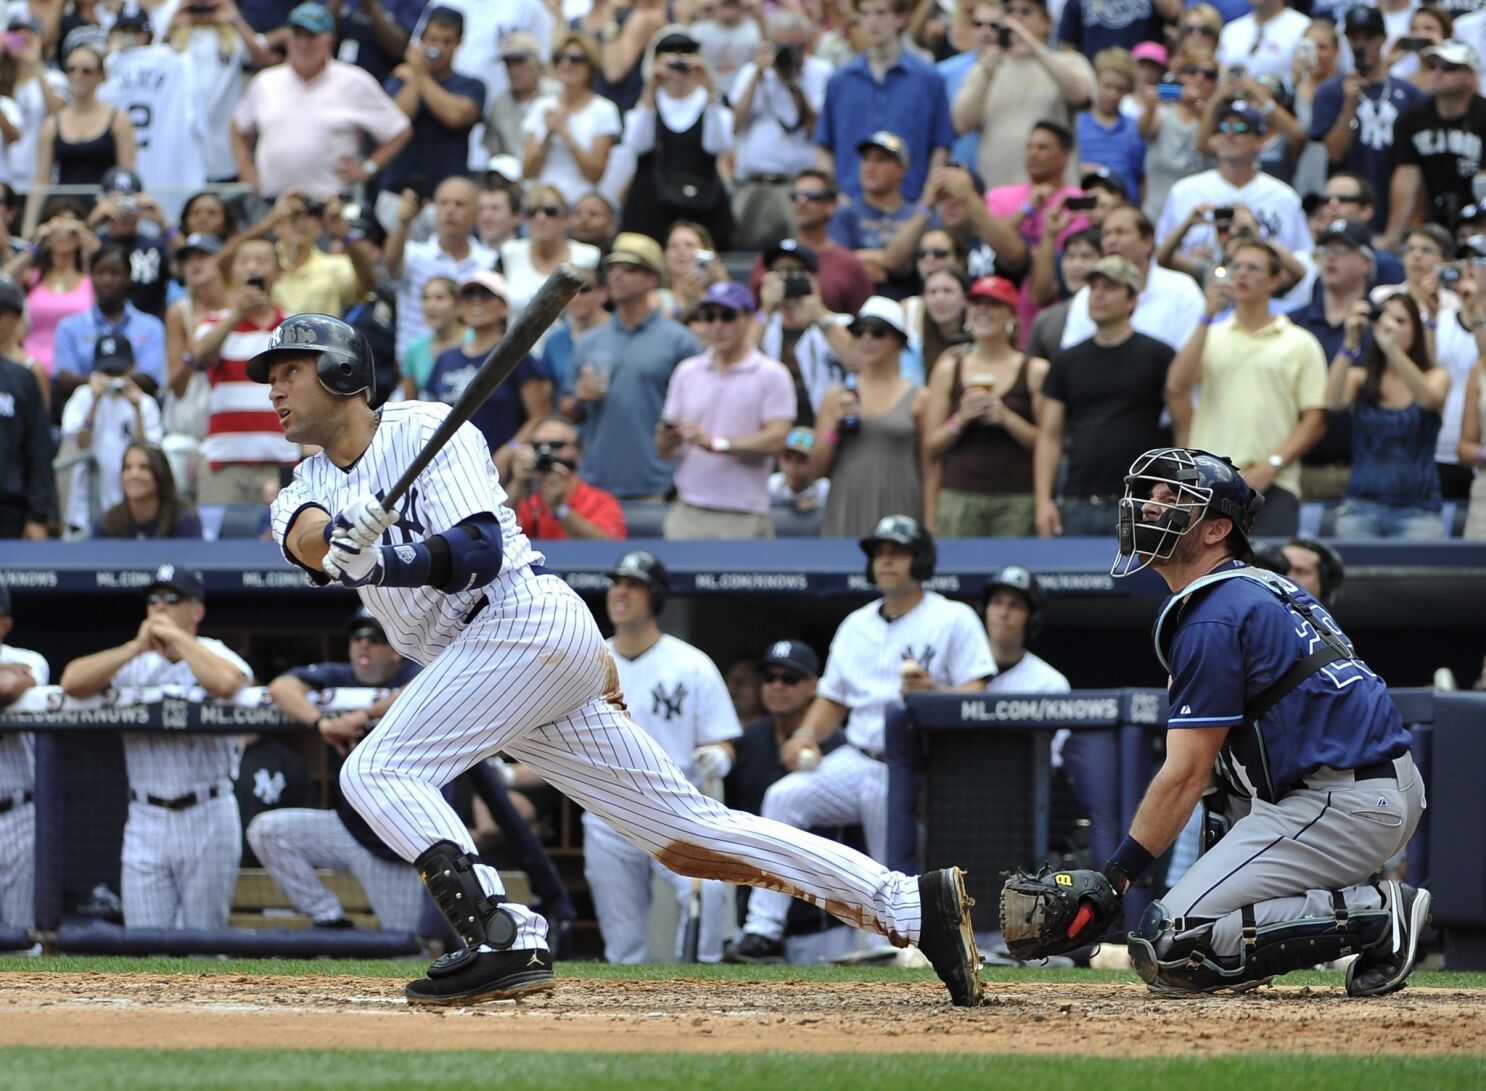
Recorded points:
(449, 874)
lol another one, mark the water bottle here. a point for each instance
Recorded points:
(850, 424)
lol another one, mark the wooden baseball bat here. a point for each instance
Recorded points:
(540, 313)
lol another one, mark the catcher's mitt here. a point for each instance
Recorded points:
(1056, 911)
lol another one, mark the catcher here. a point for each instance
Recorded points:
(1312, 784)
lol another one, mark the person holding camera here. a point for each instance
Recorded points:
(845, 283)
(799, 326)
(116, 218)
(776, 99)
(1264, 40)
(442, 105)
(550, 499)
(1169, 128)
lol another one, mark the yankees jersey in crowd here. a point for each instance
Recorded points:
(170, 766)
(676, 693)
(1275, 205)
(153, 84)
(460, 482)
(1030, 674)
(114, 422)
(863, 667)
(17, 748)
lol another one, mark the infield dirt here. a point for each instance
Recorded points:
(313, 1012)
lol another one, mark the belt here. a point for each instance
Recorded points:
(1380, 770)
(179, 803)
(474, 612)
(875, 755)
(11, 803)
(766, 179)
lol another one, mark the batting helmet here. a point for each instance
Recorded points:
(906, 531)
(647, 569)
(1017, 578)
(1200, 484)
(345, 364)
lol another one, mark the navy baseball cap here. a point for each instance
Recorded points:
(793, 655)
(1364, 20)
(889, 142)
(113, 353)
(792, 248)
(200, 242)
(365, 622)
(1245, 111)
(187, 581)
(133, 17)
(121, 180)
(1352, 233)
(12, 298)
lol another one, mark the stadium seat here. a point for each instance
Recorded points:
(644, 518)
(789, 523)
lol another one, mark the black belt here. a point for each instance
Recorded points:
(179, 803)
(480, 604)
(1380, 770)
(767, 179)
(11, 803)
(875, 755)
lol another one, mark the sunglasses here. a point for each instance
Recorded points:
(169, 598)
(82, 70)
(1206, 31)
(715, 314)
(783, 677)
(983, 24)
(1436, 65)
(809, 195)
(875, 330)
(1342, 199)
(1235, 127)
(585, 289)
(1021, 11)
(934, 252)
(550, 211)
(370, 636)
(569, 58)
(1205, 73)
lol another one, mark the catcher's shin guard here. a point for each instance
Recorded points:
(449, 874)
(1171, 965)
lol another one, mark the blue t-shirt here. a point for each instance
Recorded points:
(1232, 642)
(1372, 132)
(435, 150)
(1119, 147)
(1091, 25)
(501, 414)
(860, 226)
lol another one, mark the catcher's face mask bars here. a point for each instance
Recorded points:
(1160, 504)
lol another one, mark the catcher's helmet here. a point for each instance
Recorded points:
(1017, 578)
(647, 569)
(345, 364)
(906, 531)
(1201, 484)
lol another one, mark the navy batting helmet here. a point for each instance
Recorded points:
(1017, 578)
(906, 531)
(647, 569)
(345, 364)
(1199, 484)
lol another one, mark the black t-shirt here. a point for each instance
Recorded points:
(149, 269)
(1113, 398)
(1447, 151)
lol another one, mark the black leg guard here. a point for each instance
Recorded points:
(449, 874)
(1172, 966)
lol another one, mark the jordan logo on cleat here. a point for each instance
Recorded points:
(536, 958)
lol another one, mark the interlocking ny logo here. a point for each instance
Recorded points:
(925, 658)
(667, 705)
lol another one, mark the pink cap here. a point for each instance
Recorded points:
(1151, 51)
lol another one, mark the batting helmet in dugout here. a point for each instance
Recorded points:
(906, 531)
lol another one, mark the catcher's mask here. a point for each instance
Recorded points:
(1168, 491)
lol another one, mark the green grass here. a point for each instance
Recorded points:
(399, 969)
(188, 1070)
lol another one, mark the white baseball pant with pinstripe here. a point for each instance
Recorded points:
(18, 865)
(179, 868)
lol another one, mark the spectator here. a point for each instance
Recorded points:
(867, 225)
(979, 422)
(845, 283)
(245, 448)
(1263, 385)
(1106, 137)
(528, 262)
(1263, 41)
(219, 48)
(791, 486)
(729, 32)
(442, 105)
(1351, 197)
(585, 311)
(205, 213)
(183, 837)
(550, 499)
(498, 214)
(594, 221)
(676, 132)
(55, 271)
(37, 90)
(507, 417)
(304, 123)
(83, 139)
(1472, 450)
(20, 670)
(569, 135)
(726, 415)
(487, 25)
(1396, 398)
(1018, 82)
(310, 278)
(1312, 564)
(292, 842)
(1170, 304)
(619, 373)
(624, 32)
(776, 99)
(1169, 129)
(186, 397)
(116, 218)
(1355, 113)
(1200, 27)
(1437, 144)
(692, 265)
(795, 321)
(1459, 340)
(112, 315)
(1091, 27)
(744, 688)
(1236, 181)
(1427, 248)
(869, 428)
(527, 81)
(151, 507)
(452, 252)
(989, 243)
(1078, 257)
(964, 35)
(446, 330)
(937, 320)
(1100, 408)
(28, 498)
(1427, 25)
(884, 89)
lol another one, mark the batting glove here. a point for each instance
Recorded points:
(353, 565)
(713, 762)
(362, 521)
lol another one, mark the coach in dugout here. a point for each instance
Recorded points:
(20, 669)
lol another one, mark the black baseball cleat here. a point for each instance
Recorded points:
(471, 977)
(1383, 969)
(754, 949)
(947, 938)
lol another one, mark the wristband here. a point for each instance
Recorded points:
(954, 425)
(1353, 354)
(1129, 863)
(407, 565)
(1209, 319)
(831, 437)
(720, 445)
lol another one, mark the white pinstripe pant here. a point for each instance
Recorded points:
(180, 867)
(529, 677)
(18, 866)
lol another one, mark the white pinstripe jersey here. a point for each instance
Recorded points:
(676, 693)
(155, 86)
(17, 748)
(461, 481)
(172, 765)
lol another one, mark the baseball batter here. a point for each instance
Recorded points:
(677, 695)
(1309, 753)
(20, 669)
(515, 663)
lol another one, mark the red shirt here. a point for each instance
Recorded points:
(592, 503)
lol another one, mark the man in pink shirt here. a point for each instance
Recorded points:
(300, 124)
(726, 416)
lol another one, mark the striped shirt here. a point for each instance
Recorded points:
(460, 482)
(243, 426)
(170, 766)
(17, 748)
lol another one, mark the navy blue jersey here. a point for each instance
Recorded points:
(1232, 641)
(341, 676)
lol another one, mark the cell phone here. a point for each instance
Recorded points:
(1223, 214)
(1003, 36)
(703, 260)
(1081, 204)
(128, 206)
(1305, 51)
(1411, 44)
(1449, 275)
(1374, 311)
(257, 282)
(1237, 71)
(115, 386)
(313, 206)
(1168, 90)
